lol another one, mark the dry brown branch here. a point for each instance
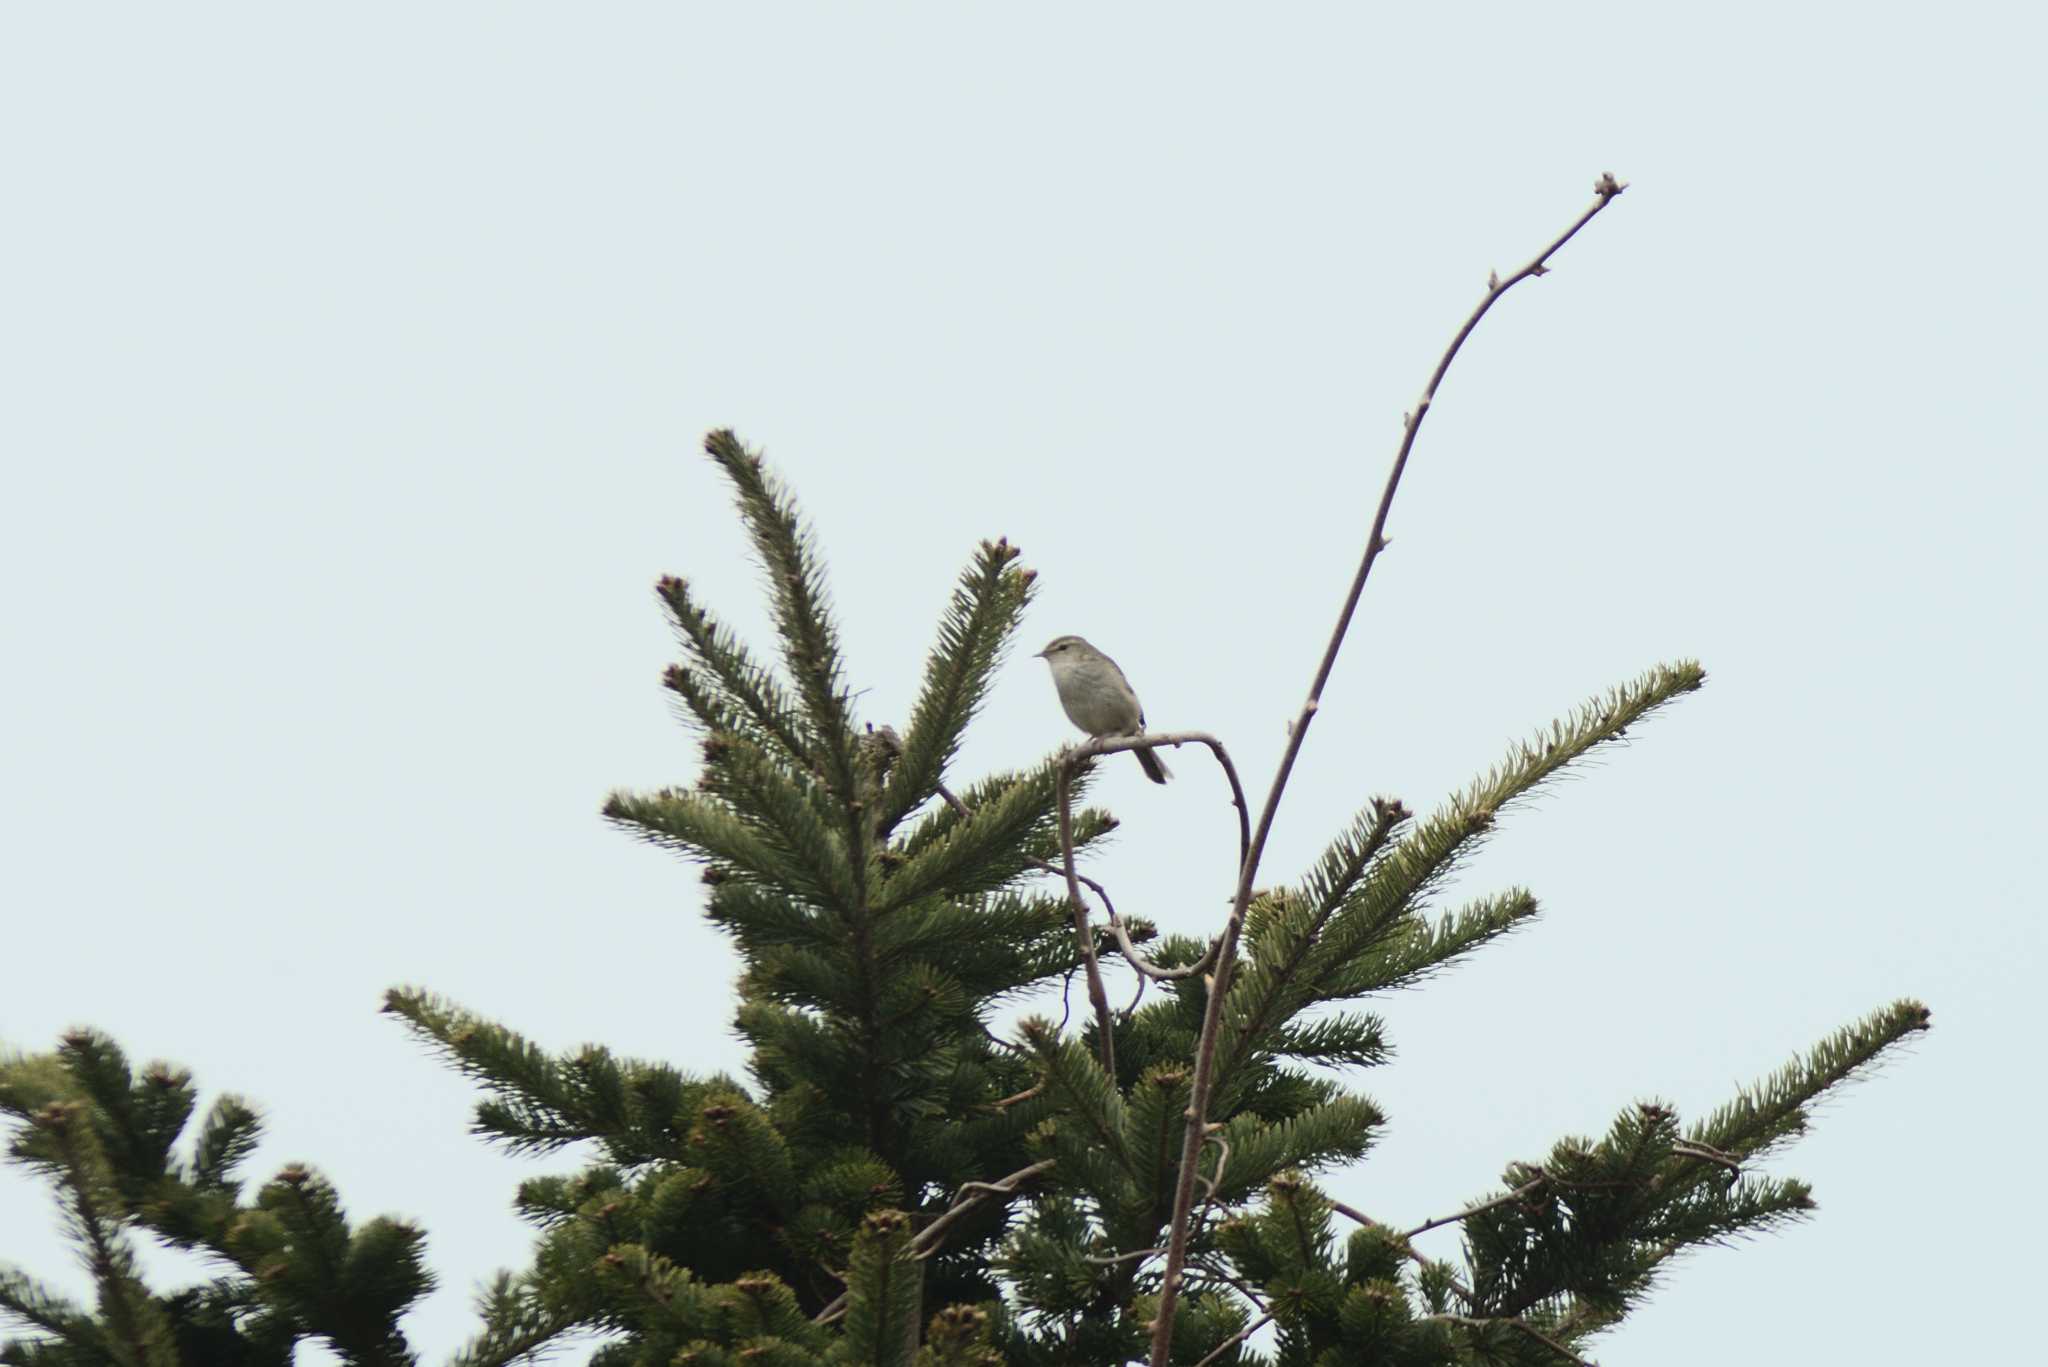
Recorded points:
(1145, 967)
(1520, 1326)
(1414, 1254)
(1084, 934)
(1110, 745)
(1239, 1337)
(1105, 1023)
(1707, 1153)
(1528, 1188)
(1605, 190)
(927, 1242)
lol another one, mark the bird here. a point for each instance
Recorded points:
(1098, 698)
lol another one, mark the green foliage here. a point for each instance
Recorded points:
(294, 1267)
(893, 1182)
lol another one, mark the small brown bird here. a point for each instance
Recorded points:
(1098, 698)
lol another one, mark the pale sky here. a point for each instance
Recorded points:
(356, 364)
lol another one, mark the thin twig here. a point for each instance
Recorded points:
(1025, 1095)
(1145, 967)
(1519, 1325)
(970, 1195)
(1527, 1188)
(1605, 190)
(1239, 1337)
(1414, 1254)
(1110, 745)
(1209, 1269)
(1707, 1153)
(1222, 1161)
(1111, 1261)
(1105, 1024)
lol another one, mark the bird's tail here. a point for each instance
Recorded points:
(1155, 767)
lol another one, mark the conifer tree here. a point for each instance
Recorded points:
(899, 1180)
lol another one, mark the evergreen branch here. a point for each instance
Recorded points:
(1406, 1249)
(1356, 1040)
(1041, 843)
(1426, 949)
(502, 1059)
(1763, 1117)
(1085, 1091)
(540, 1102)
(747, 696)
(1594, 1222)
(698, 827)
(1358, 945)
(884, 1287)
(137, 1331)
(979, 854)
(802, 613)
(1343, 1127)
(1147, 970)
(1148, 1135)
(790, 812)
(1516, 1323)
(35, 1305)
(1239, 1337)
(28, 1083)
(1605, 191)
(519, 1324)
(228, 1135)
(1351, 958)
(1344, 863)
(986, 606)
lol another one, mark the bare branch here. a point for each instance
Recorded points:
(1105, 1024)
(1527, 1189)
(927, 1242)
(1520, 1326)
(1605, 191)
(1222, 1161)
(1025, 1095)
(1707, 1153)
(1110, 745)
(1239, 1337)
(1414, 1254)
(1145, 967)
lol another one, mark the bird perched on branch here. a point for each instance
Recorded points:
(1098, 698)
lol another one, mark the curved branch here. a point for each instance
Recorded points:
(927, 1242)
(1083, 932)
(1527, 1189)
(1105, 1024)
(1110, 745)
(1239, 1337)
(1605, 190)
(1414, 1254)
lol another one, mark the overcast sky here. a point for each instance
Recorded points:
(356, 363)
